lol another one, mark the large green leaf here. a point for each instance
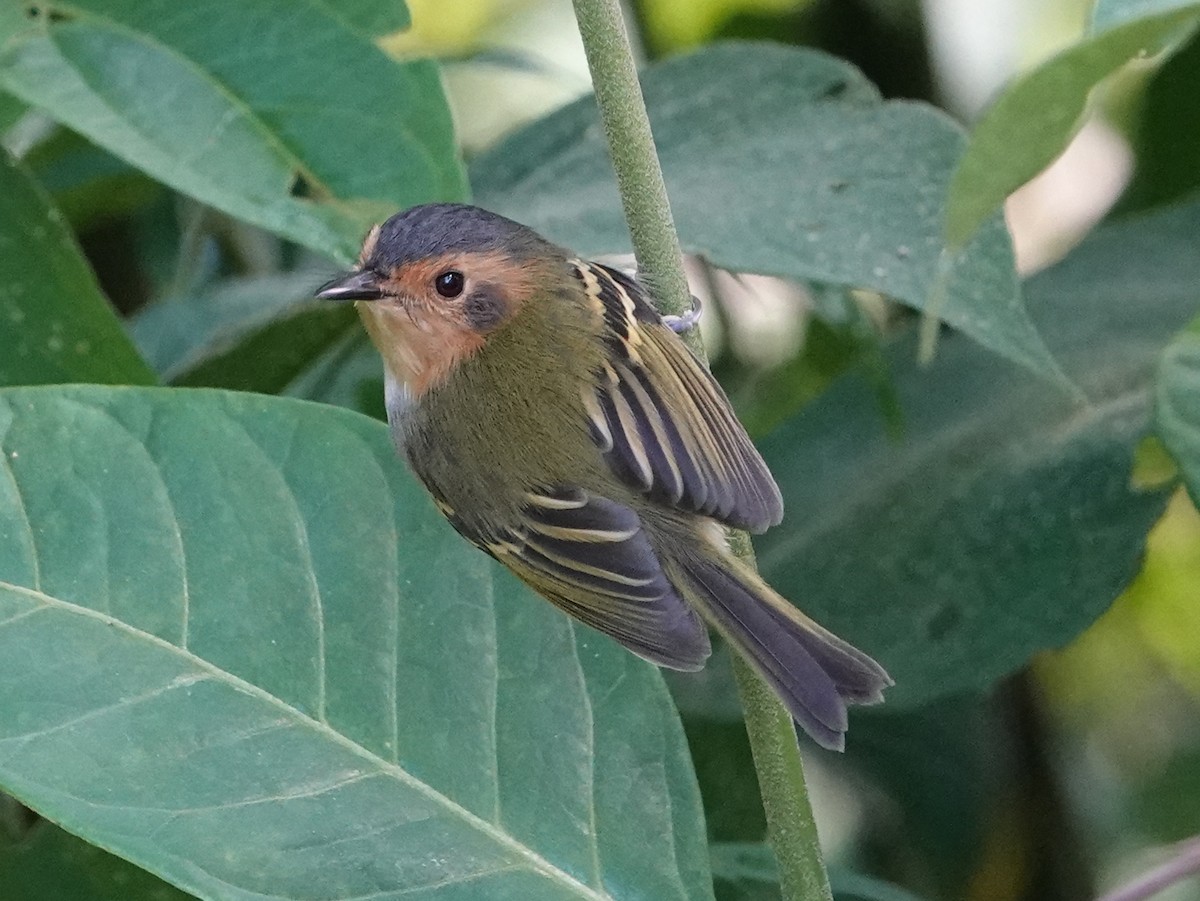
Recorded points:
(55, 325)
(1177, 408)
(781, 161)
(1035, 117)
(240, 649)
(1004, 520)
(273, 111)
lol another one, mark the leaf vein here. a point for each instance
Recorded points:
(536, 862)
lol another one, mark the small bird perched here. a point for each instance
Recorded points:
(564, 428)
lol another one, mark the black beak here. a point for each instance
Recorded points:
(359, 285)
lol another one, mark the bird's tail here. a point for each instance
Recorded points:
(814, 672)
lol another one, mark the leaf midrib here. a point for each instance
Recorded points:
(537, 862)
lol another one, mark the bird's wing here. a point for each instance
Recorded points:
(590, 557)
(662, 422)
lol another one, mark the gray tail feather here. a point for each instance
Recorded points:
(814, 672)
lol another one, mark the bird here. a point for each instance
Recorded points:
(562, 426)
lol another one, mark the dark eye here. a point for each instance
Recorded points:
(450, 283)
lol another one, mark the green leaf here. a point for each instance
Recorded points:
(1177, 405)
(178, 333)
(763, 398)
(374, 18)
(720, 749)
(273, 357)
(275, 112)
(264, 334)
(1004, 520)
(780, 161)
(945, 782)
(55, 325)
(249, 334)
(1032, 121)
(349, 374)
(1164, 806)
(240, 649)
(744, 871)
(11, 110)
(88, 184)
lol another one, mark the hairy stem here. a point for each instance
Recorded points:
(792, 831)
(643, 194)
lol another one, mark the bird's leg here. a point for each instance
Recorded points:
(686, 321)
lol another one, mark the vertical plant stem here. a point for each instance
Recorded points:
(792, 831)
(631, 146)
(790, 824)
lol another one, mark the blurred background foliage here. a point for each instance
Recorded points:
(1062, 780)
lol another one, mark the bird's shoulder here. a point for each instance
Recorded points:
(659, 418)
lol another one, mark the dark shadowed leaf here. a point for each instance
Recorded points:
(349, 374)
(11, 109)
(275, 112)
(272, 357)
(1165, 134)
(55, 325)
(291, 679)
(1165, 804)
(848, 886)
(1004, 520)
(88, 184)
(1177, 408)
(249, 334)
(48, 863)
(746, 871)
(780, 161)
(942, 767)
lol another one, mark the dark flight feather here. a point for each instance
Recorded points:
(590, 556)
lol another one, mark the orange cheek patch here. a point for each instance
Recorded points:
(419, 348)
(423, 336)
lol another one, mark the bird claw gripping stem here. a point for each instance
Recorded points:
(685, 322)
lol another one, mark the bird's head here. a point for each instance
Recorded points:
(433, 281)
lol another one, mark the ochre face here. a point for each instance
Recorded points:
(436, 312)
